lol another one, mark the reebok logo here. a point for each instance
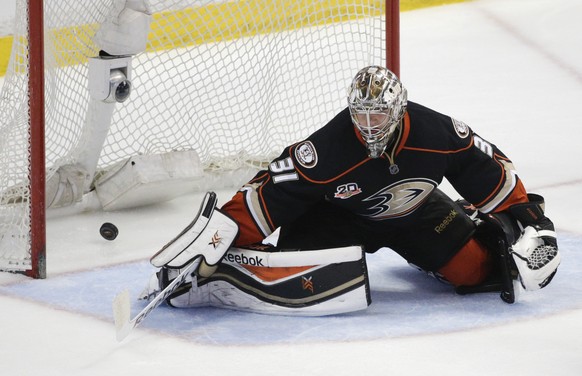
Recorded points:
(448, 219)
(244, 260)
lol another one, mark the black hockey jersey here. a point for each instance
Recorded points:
(332, 164)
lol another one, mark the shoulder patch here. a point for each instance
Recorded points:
(461, 128)
(306, 155)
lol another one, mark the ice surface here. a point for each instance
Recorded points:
(509, 68)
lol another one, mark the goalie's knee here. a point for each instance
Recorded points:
(470, 266)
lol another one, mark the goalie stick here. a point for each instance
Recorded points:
(122, 304)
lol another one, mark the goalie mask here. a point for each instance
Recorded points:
(377, 102)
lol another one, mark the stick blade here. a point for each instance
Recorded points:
(121, 314)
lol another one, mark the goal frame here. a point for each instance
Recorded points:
(36, 83)
(37, 135)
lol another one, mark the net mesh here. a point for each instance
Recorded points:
(233, 80)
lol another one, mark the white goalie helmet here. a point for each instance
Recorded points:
(377, 102)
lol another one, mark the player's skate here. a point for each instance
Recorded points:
(209, 236)
(187, 294)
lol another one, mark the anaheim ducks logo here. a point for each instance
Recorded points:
(399, 199)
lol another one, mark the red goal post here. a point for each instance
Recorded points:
(308, 48)
(37, 160)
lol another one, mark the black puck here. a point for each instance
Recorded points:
(109, 231)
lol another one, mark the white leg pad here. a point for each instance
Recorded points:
(224, 295)
(298, 283)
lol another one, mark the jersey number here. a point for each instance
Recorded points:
(483, 145)
(283, 170)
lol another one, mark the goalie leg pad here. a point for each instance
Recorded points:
(299, 283)
(209, 235)
(225, 295)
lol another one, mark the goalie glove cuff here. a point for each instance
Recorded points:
(530, 213)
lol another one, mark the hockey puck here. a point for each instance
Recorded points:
(109, 231)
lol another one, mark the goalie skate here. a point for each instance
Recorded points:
(122, 305)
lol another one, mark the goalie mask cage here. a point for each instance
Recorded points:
(234, 81)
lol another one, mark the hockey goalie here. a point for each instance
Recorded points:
(366, 181)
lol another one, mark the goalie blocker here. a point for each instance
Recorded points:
(209, 236)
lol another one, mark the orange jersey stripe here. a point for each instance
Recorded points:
(518, 196)
(237, 210)
(335, 177)
(270, 274)
(499, 184)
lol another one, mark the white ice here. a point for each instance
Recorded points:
(512, 69)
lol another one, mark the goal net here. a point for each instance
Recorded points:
(220, 89)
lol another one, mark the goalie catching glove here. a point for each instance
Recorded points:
(524, 244)
(535, 253)
(209, 236)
